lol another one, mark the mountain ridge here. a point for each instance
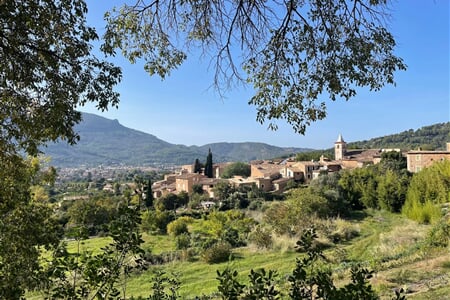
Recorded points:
(107, 142)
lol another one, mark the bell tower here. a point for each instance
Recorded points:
(340, 147)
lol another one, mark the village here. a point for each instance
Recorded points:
(273, 176)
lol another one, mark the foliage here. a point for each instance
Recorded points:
(197, 166)
(164, 287)
(217, 253)
(156, 221)
(149, 194)
(261, 237)
(91, 214)
(209, 165)
(428, 189)
(262, 285)
(236, 169)
(297, 212)
(428, 138)
(26, 226)
(179, 226)
(292, 53)
(171, 201)
(231, 226)
(183, 241)
(314, 155)
(327, 186)
(232, 197)
(196, 200)
(439, 235)
(223, 189)
(310, 281)
(87, 276)
(229, 287)
(376, 186)
(391, 190)
(393, 160)
(197, 189)
(46, 75)
(307, 203)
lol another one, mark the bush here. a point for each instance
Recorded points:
(183, 241)
(255, 205)
(439, 235)
(179, 226)
(217, 253)
(424, 213)
(156, 221)
(344, 231)
(261, 237)
(231, 236)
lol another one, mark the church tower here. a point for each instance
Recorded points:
(340, 147)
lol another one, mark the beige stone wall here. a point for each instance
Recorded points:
(264, 184)
(418, 160)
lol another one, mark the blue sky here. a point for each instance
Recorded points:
(183, 109)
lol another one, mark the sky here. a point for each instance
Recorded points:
(183, 109)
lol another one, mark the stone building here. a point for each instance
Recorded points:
(419, 159)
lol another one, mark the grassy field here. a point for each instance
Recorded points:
(387, 243)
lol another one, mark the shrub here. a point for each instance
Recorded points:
(424, 213)
(232, 237)
(183, 241)
(439, 235)
(177, 227)
(261, 237)
(344, 231)
(217, 253)
(156, 221)
(255, 205)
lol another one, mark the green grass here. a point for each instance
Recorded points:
(154, 243)
(93, 245)
(199, 278)
(388, 243)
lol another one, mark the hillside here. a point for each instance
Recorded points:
(432, 137)
(107, 142)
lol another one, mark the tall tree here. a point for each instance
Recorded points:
(149, 194)
(295, 53)
(46, 72)
(197, 166)
(209, 165)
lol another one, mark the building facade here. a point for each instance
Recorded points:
(419, 159)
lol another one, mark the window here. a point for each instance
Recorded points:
(418, 157)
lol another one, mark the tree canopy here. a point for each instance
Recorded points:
(47, 70)
(295, 54)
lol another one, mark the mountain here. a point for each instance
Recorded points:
(107, 142)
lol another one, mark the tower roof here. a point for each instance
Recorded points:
(340, 139)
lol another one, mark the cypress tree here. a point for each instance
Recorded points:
(209, 165)
(149, 195)
(197, 166)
